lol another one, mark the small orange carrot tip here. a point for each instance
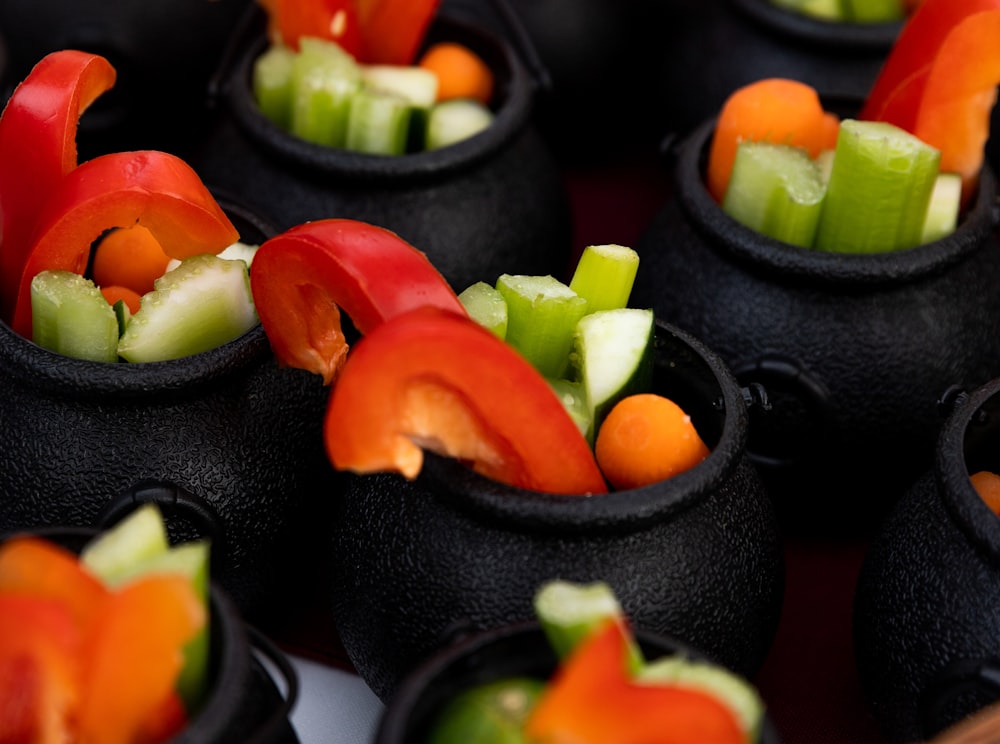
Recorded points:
(461, 73)
(129, 257)
(987, 485)
(646, 438)
(776, 110)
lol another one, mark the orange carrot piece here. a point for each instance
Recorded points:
(461, 73)
(116, 292)
(776, 110)
(129, 257)
(987, 485)
(647, 438)
(133, 658)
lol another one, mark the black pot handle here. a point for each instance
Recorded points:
(524, 44)
(270, 730)
(959, 677)
(253, 20)
(172, 500)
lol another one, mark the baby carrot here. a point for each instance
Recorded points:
(777, 110)
(647, 438)
(129, 257)
(987, 485)
(461, 73)
(116, 292)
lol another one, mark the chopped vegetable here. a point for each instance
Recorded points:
(323, 83)
(303, 277)
(271, 82)
(392, 30)
(129, 257)
(647, 438)
(460, 72)
(987, 485)
(71, 316)
(378, 123)
(455, 120)
(486, 306)
(114, 294)
(776, 110)
(604, 276)
(491, 713)
(436, 379)
(333, 20)
(945, 206)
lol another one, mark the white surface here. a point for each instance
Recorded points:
(333, 706)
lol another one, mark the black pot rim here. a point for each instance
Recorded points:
(816, 32)
(515, 93)
(616, 511)
(796, 264)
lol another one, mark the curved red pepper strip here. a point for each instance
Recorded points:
(156, 189)
(436, 379)
(38, 147)
(392, 30)
(304, 276)
(591, 700)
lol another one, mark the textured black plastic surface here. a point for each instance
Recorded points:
(854, 351)
(698, 556)
(927, 604)
(492, 204)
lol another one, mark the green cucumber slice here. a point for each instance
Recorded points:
(542, 313)
(574, 400)
(324, 81)
(454, 120)
(604, 276)
(873, 11)
(486, 306)
(776, 190)
(141, 535)
(378, 123)
(491, 713)
(613, 357)
(70, 316)
(880, 185)
(739, 695)
(203, 303)
(570, 611)
(272, 83)
(942, 212)
(414, 84)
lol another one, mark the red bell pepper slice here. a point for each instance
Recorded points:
(436, 379)
(156, 189)
(393, 30)
(334, 20)
(38, 147)
(592, 700)
(302, 277)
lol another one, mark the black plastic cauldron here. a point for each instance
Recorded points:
(494, 203)
(164, 51)
(698, 556)
(854, 351)
(233, 442)
(243, 701)
(927, 603)
(519, 650)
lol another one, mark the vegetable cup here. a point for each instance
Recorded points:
(697, 555)
(854, 351)
(520, 650)
(165, 54)
(241, 699)
(926, 609)
(491, 203)
(235, 441)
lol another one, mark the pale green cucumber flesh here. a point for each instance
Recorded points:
(942, 212)
(454, 120)
(323, 83)
(880, 185)
(776, 190)
(571, 394)
(604, 276)
(613, 357)
(486, 306)
(140, 536)
(378, 123)
(70, 316)
(415, 84)
(203, 303)
(491, 713)
(542, 313)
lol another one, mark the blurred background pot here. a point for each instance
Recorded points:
(697, 556)
(244, 702)
(235, 440)
(165, 52)
(491, 204)
(854, 351)
(927, 603)
(486, 656)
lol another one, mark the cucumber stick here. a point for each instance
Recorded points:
(454, 120)
(378, 123)
(486, 306)
(70, 316)
(776, 190)
(613, 358)
(942, 212)
(271, 83)
(604, 276)
(203, 303)
(879, 189)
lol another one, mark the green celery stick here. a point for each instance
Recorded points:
(776, 190)
(378, 123)
(873, 11)
(416, 85)
(880, 185)
(486, 306)
(569, 611)
(324, 81)
(70, 316)
(542, 314)
(272, 83)
(491, 712)
(604, 276)
(942, 212)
